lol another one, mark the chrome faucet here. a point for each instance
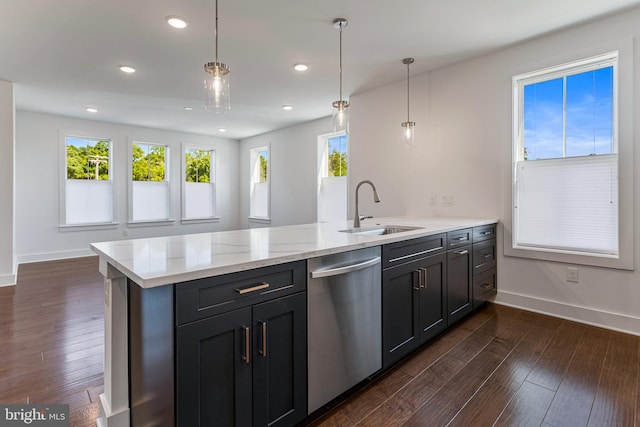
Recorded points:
(376, 199)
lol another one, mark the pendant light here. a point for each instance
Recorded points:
(340, 107)
(216, 83)
(408, 127)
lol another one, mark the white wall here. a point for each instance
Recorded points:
(466, 152)
(38, 165)
(7, 183)
(292, 159)
(402, 176)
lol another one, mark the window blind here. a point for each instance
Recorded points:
(568, 204)
(150, 200)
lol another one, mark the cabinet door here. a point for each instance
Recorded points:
(433, 292)
(459, 294)
(280, 361)
(212, 371)
(400, 312)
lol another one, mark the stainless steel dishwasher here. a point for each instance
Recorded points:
(345, 330)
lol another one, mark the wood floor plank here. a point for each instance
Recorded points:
(357, 407)
(484, 407)
(452, 397)
(527, 408)
(517, 366)
(576, 393)
(615, 400)
(392, 413)
(556, 357)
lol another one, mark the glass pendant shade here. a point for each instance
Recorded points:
(216, 83)
(408, 134)
(340, 116)
(216, 87)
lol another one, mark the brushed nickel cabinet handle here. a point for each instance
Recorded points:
(461, 239)
(247, 344)
(461, 252)
(263, 285)
(485, 256)
(417, 280)
(486, 233)
(263, 351)
(424, 275)
(486, 285)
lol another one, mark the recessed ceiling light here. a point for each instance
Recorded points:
(188, 108)
(222, 130)
(91, 110)
(127, 69)
(176, 22)
(301, 67)
(287, 107)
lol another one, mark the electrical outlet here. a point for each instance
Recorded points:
(572, 274)
(446, 200)
(433, 200)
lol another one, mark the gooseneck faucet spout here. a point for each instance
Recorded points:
(376, 199)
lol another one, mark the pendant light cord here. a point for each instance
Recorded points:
(408, 93)
(216, 31)
(340, 61)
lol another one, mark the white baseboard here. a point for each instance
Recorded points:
(604, 319)
(7, 280)
(51, 256)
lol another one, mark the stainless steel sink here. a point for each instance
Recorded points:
(380, 230)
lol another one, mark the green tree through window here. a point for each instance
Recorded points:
(87, 158)
(337, 156)
(148, 162)
(264, 167)
(198, 165)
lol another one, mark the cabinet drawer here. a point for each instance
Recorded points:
(198, 299)
(484, 232)
(484, 256)
(459, 238)
(484, 286)
(411, 250)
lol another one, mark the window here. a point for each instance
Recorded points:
(260, 177)
(199, 191)
(332, 178)
(88, 186)
(150, 191)
(566, 159)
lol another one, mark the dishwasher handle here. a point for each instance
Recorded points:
(344, 270)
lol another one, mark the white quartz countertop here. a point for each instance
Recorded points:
(166, 260)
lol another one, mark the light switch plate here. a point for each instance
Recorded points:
(572, 274)
(446, 200)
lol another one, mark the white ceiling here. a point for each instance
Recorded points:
(63, 55)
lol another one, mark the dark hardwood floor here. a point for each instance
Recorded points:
(499, 366)
(52, 337)
(506, 367)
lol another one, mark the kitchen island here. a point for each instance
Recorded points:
(165, 263)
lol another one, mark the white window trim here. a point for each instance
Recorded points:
(167, 174)
(183, 173)
(623, 123)
(62, 183)
(261, 219)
